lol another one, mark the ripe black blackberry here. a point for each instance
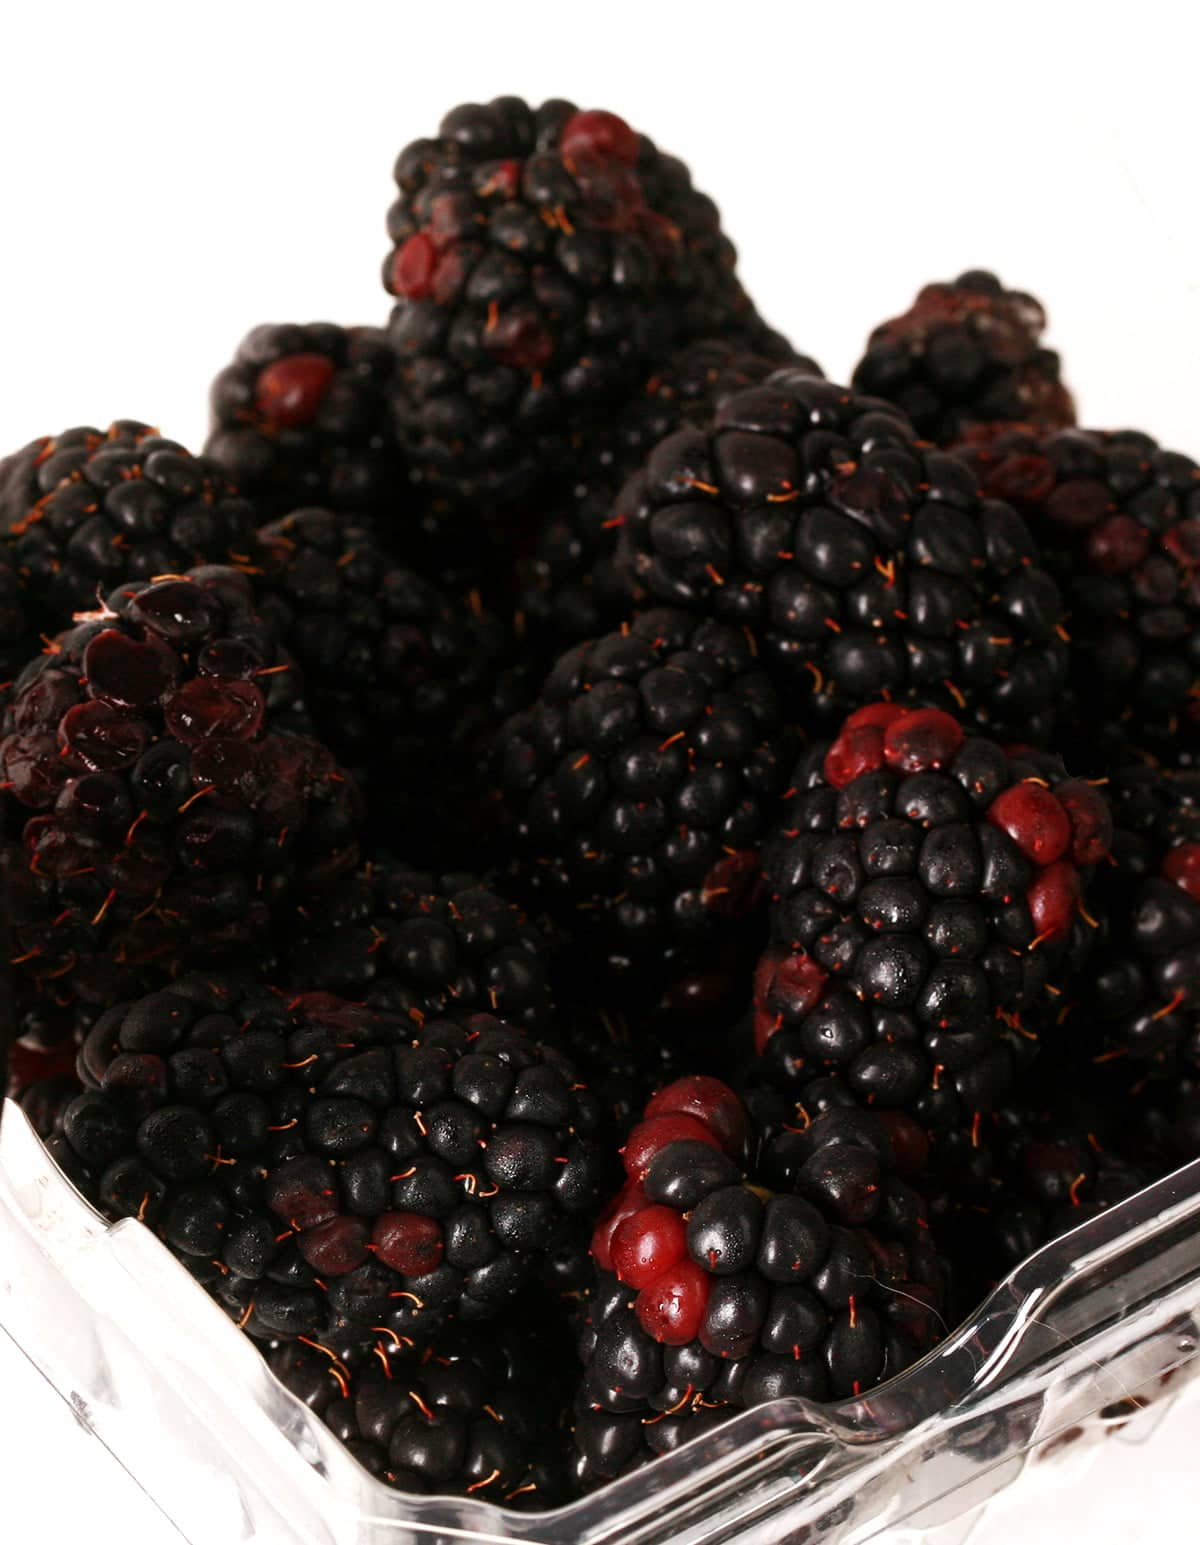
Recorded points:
(968, 352)
(1143, 994)
(571, 588)
(927, 912)
(156, 811)
(302, 416)
(405, 683)
(864, 563)
(318, 1164)
(637, 790)
(476, 1412)
(811, 1273)
(17, 636)
(89, 509)
(544, 260)
(1118, 519)
(421, 945)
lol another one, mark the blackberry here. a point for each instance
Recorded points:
(864, 563)
(810, 1274)
(927, 913)
(421, 945)
(968, 352)
(405, 682)
(302, 416)
(1143, 993)
(1118, 519)
(544, 260)
(638, 789)
(475, 1412)
(572, 589)
(163, 815)
(89, 509)
(315, 1162)
(42, 1081)
(17, 636)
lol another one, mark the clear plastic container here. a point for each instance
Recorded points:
(1080, 1340)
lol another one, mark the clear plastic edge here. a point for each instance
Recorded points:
(188, 1406)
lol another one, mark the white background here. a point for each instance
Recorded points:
(172, 174)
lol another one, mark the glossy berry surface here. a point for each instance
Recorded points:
(541, 267)
(301, 416)
(86, 510)
(316, 1162)
(863, 562)
(927, 909)
(967, 352)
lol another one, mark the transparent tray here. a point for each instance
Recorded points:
(1077, 1342)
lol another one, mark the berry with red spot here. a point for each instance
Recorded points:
(320, 1164)
(160, 810)
(811, 1274)
(301, 416)
(1118, 520)
(965, 353)
(86, 510)
(865, 564)
(927, 892)
(637, 791)
(544, 260)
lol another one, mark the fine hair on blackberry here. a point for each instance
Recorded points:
(572, 588)
(864, 563)
(965, 353)
(808, 1272)
(420, 945)
(405, 682)
(316, 1163)
(475, 1411)
(1118, 520)
(156, 809)
(928, 909)
(637, 791)
(543, 261)
(89, 509)
(302, 415)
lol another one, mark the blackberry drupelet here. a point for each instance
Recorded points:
(157, 811)
(476, 1412)
(968, 352)
(927, 914)
(89, 509)
(405, 682)
(18, 640)
(421, 945)
(302, 415)
(319, 1165)
(1144, 991)
(638, 790)
(544, 261)
(1118, 519)
(810, 1273)
(864, 563)
(571, 588)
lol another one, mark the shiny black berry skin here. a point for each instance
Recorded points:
(572, 588)
(419, 944)
(301, 416)
(927, 917)
(810, 1274)
(18, 641)
(637, 790)
(864, 563)
(543, 261)
(473, 1412)
(159, 808)
(405, 681)
(1118, 519)
(335, 1163)
(88, 509)
(967, 352)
